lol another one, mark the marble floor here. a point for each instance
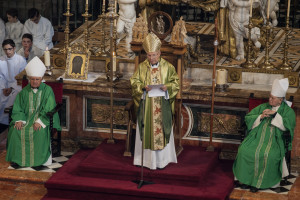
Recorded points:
(29, 185)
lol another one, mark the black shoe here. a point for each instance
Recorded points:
(15, 165)
(253, 189)
(244, 186)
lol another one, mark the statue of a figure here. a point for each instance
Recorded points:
(160, 24)
(239, 19)
(179, 33)
(140, 29)
(127, 17)
(274, 7)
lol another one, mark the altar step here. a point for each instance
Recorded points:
(104, 173)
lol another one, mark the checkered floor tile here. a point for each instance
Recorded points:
(57, 162)
(284, 187)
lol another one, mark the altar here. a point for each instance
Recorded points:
(86, 112)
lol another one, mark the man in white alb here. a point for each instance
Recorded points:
(40, 28)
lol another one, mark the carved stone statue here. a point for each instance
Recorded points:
(160, 24)
(239, 19)
(140, 29)
(127, 18)
(178, 33)
(274, 7)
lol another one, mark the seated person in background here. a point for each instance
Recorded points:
(158, 130)
(40, 28)
(28, 140)
(260, 162)
(14, 64)
(28, 51)
(2, 34)
(14, 28)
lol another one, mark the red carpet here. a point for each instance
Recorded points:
(104, 173)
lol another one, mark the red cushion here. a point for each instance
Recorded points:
(254, 102)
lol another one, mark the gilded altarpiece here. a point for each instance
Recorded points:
(98, 113)
(226, 124)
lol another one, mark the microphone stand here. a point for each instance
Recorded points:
(141, 182)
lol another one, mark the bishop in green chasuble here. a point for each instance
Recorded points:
(29, 144)
(260, 161)
(159, 140)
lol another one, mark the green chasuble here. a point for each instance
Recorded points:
(259, 159)
(158, 110)
(28, 147)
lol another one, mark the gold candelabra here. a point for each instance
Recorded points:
(86, 16)
(266, 64)
(102, 16)
(284, 65)
(67, 29)
(111, 15)
(249, 64)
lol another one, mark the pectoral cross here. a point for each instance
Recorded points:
(154, 80)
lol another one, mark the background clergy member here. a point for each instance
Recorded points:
(2, 34)
(28, 140)
(29, 51)
(40, 28)
(260, 162)
(14, 65)
(159, 139)
(14, 28)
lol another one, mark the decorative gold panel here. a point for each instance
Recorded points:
(234, 75)
(59, 61)
(222, 123)
(101, 114)
(293, 78)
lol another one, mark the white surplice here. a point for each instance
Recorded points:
(2, 34)
(14, 31)
(9, 68)
(42, 33)
(34, 51)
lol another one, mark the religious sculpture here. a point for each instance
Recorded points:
(160, 24)
(140, 29)
(239, 19)
(127, 18)
(179, 33)
(274, 7)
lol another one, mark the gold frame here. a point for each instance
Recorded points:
(73, 52)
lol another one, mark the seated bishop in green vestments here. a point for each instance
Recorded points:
(28, 141)
(260, 162)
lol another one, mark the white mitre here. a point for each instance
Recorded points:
(35, 68)
(280, 87)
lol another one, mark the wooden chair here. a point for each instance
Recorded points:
(254, 102)
(57, 88)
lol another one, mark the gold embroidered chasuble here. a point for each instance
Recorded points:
(158, 110)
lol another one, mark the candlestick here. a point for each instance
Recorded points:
(47, 57)
(114, 62)
(251, 5)
(268, 11)
(288, 8)
(221, 76)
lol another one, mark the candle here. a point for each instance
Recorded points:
(288, 8)
(68, 1)
(221, 76)
(251, 5)
(114, 62)
(268, 11)
(87, 2)
(47, 57)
